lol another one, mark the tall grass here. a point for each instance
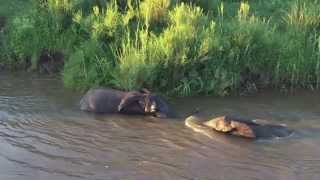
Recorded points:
(178, 47)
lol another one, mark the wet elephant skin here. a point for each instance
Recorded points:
(133, 102)
(238, 126)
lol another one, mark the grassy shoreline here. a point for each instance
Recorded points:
(180, 48)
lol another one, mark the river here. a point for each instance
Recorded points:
(43, 135)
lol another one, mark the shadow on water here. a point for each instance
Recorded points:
(44, 136)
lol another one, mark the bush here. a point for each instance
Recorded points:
(179, 47)
(152, 60)
(88, 66)
(32, 34)
(154, 12)
(299, 61)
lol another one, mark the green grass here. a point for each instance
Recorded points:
(12, 8)
(9, 10)
(178, 47)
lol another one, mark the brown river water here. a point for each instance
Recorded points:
(43, 135)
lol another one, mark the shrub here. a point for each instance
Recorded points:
(299, 62)
(154, 12)
(31, 34)
(180, 47)
(88, 66)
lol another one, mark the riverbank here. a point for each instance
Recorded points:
(174, 47)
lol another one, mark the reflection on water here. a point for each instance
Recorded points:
(44, 136)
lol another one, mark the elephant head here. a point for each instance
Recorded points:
(150, 103)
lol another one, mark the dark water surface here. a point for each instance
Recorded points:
(44, 136)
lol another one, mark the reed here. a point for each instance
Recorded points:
(178, 47)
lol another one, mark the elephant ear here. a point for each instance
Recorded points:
(129, 99)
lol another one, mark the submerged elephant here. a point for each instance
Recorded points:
(133, 102)
(237, 126)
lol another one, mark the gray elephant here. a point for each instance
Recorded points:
(237, 126)
(141, 102)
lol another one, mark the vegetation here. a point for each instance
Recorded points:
(180, 47)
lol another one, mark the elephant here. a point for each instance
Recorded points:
(237, 126)
(143, 102)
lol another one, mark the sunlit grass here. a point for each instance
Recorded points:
(179, 47)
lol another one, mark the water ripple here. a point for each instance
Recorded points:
(43, 132)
